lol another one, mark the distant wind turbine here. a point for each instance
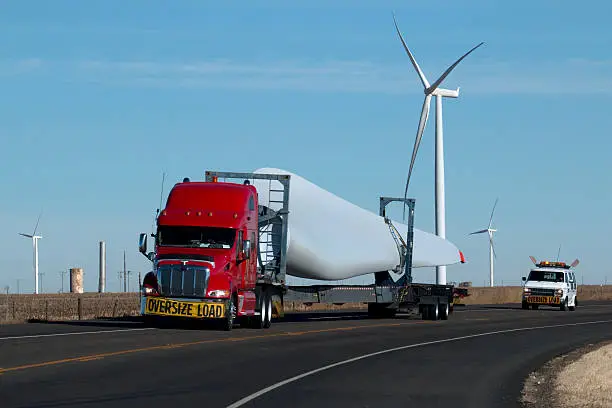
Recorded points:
(35, 239)
(433, 90)
(492, 253)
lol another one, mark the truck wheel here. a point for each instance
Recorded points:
(525, 305)
(259, 321)
(230, 315)
(268, 316)
(563, 306)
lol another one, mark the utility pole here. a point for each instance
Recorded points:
(119, 275)
(128, 280)
(18, 280)
(62, 273)
(124, 274)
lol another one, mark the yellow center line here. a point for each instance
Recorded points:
(99, 356)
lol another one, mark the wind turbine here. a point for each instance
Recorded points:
(433, 90)
(491, 247)
(35, 239)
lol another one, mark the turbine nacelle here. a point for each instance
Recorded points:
(446, 93)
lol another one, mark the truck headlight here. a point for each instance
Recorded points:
(559, 292)
(526, 290)
(218, 293)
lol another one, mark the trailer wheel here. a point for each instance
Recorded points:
(435, 312)
(443, 311)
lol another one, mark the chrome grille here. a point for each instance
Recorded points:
(179, 280)
(542, 292)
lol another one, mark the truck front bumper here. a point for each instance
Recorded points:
(186, 308)
(542, 300)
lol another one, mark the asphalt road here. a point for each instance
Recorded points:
(478, 358)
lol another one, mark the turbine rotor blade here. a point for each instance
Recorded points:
(412, 59)
(449, 69)
(492, 246)
(26, 235)
(417, 141)
(478, 232)
(494, 205)
(37, 221)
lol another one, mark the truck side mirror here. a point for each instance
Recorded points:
(246, 249)
(524, 279)
(142, 244)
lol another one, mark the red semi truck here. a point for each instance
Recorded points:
(207, 263)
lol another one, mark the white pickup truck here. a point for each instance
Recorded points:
(550, 284)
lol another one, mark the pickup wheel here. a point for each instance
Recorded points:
(525, 305)
(563, 306)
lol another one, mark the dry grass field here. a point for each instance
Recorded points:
(72, 306)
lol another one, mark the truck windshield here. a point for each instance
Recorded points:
(546, 276)
(196, 237)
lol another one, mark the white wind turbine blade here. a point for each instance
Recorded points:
(25, 235)
(479, 232)
(417, 141)
(494, 205)
(492, 246)
(412, 59)
(37, 221)
(448, 71)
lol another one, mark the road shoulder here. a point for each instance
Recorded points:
(549, 385)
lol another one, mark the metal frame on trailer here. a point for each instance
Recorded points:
(275, 272)
(384, 297)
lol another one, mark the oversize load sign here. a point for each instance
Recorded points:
(543, 299)
(168, 307)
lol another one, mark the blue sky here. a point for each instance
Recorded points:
(100, 97)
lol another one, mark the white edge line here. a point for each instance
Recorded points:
(259, 393)
(34, 336)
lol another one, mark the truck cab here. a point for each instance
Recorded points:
(205, 259)
(550, 284)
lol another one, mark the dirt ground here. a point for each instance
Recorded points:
(580, 379)
(587, 382)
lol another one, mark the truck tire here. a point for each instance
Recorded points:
(259, 321)
(563, 306)
(268, 316)
(572, 308)
(230, 315)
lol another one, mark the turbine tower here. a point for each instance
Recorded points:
(35, 239)
(433, 90)
(491, 247)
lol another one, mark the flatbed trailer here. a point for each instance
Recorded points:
(385, 297)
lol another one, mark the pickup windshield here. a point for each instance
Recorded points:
(545, 276)
(196, 237)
